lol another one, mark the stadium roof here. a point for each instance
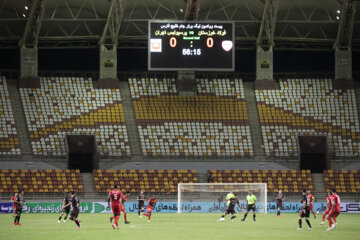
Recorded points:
(300, 24)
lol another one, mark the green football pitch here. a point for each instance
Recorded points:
(176, 226)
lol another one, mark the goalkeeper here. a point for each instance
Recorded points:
(229, 196)
(231, 208)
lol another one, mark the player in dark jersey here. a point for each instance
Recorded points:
(149, 208)
(305, 211)
(74, 201)
(67, 209)
(280, 197)
(141, 203)
(18, 207)
(231, 209)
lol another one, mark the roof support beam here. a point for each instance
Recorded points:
(265, 43)
(343, 43)
(192, 10)
(109, 38)
(32, 30)
(267, 28)
(29, 42)
(109, 41)
(346, 26)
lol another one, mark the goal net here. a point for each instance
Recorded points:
(210, 197)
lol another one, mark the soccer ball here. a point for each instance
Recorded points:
(222, 220)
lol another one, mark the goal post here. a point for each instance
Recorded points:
(210, 197)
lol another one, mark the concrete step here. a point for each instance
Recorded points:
(88, 182)
(130, 120)
(253, 117)
(319, 186)
(19, 117)
(357, 96)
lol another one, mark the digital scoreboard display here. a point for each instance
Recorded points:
(194, 46)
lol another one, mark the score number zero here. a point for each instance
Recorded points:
(209, 44)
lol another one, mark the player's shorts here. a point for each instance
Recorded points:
(334, 213)
(230, 211)
(140, 205)
(148, 209)
(279, 204)
(66, 210)
(18, 210)
(305, 212)
(74, 214)
(250, 207)
(116, 209)
(311, 207)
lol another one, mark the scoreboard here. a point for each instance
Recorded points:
(194, 46)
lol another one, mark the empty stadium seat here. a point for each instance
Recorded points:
(40, 181)
(157, 181)
(9, 142)
(292, 181)
(213, 123)
(71, 106)
(308, 107)
(345, 181)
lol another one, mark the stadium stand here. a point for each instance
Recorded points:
(9, 142)
(291, 181)
(71, 106)
(213, 123)
(40, 181)
(154, 181)
(308, 107)
(345, 181)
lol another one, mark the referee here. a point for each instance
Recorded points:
(250, 205)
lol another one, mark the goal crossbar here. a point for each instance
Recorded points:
(222, 188)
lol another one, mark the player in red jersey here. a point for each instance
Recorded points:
(18, 207)
(335, 209)
(123, 208)
(149, 208)
(115, 196)
(312, 199)
(13, 199)
(328, 201)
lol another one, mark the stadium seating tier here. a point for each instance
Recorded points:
(153, 181)
(71, 106)
(308, 107)
(40, 181)
(9, 142)
(344, 181)
(213, 123)
(287, 180)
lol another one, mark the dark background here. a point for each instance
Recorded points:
(136, 60)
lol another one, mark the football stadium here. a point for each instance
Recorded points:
(179, 119)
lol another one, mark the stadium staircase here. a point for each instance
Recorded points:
(319, 187)
(357, 95)
(253, 118)
(89, 187)
(19, 117)
(130, 120)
